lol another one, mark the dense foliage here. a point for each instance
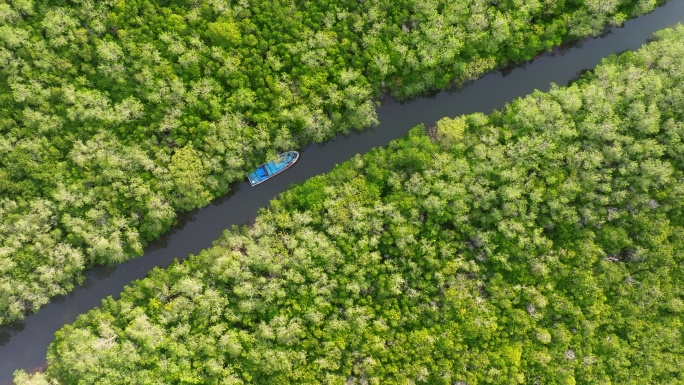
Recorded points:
(117, 114)
(540, 244)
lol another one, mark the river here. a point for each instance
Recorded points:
(24, 344)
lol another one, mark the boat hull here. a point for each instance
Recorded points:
(270, 169)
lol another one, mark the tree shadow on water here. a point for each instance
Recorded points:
(9, 331)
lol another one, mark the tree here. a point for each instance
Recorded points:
(187, 174)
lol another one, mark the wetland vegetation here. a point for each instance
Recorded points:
(540, 243)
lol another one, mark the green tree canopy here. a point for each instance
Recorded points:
(543, 246)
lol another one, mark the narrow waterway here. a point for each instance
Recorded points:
(23, 345)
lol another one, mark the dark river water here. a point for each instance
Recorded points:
(23, 345)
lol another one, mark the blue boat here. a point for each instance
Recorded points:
(270, 169)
